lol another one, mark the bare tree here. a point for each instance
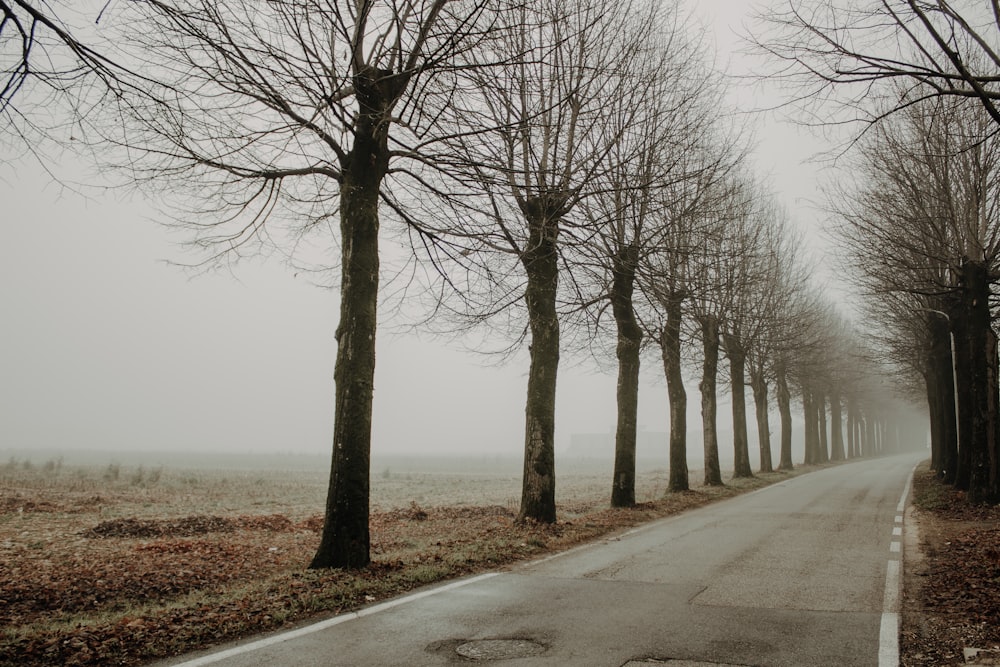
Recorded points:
(294, 113)
(772, 296)
(575, 89)
(710, 303)
(750, 269)
(653, 158)
(691, 214)
(876, 57)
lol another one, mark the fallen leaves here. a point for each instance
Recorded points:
(953, 598)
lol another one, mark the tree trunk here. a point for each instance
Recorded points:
(824, 444)
(670, 344)
(785, 410)
(345, 540)
(948, 409)
(858, 431)
(741, 448)
(629, 341)
(869, 435)
(540, 260)
(935, 418)
(959, 327)
(993, 414)
(941, 390)
(980, 345)
(836, 428)
(759, 386)
(861, 422)
(709, 404)
(808, 417)
(852, 451)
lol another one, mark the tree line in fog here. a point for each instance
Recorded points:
(563, 175)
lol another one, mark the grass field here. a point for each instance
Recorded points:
(124, 563)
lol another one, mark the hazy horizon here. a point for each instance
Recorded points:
(107, 346)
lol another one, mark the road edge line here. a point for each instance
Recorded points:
(329, 623)
(889, 625)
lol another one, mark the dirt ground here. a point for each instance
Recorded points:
(951, 598)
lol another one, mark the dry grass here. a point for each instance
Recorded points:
(107, 565)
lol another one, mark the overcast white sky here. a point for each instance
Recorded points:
(106, 346)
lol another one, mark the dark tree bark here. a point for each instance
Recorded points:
(784, 397)
(939, 378)
(808, 416)
(862, 435)
(670, 344)
(959, 326)
(836, 428)
(935, 418)
(993, 415)
(540, 260)
(758, 383)
(709, 400)
(629, 341)
(345, 539)
(824, 444)
(943, 377)
(859, 433)
(980, 346)
(741, 449)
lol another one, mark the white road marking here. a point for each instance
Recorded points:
(329, 623)
(888, 632)
(888, 641)
(901, 507)
(890, 602)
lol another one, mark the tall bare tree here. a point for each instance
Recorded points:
(768, 306)
(711, 301)
(296, 113)
(690, 216)
(750, 269)
(655, 156)
(573, 93)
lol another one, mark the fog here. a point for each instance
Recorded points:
(107, 346)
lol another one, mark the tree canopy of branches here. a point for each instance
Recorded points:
(653, 200)
(574, 93)
(875, 57)
(59, 71)
(299, 112)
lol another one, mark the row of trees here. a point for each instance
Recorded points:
(928, 212)
(556, 166)
(920, 223)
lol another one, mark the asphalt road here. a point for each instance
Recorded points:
(805, 572)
